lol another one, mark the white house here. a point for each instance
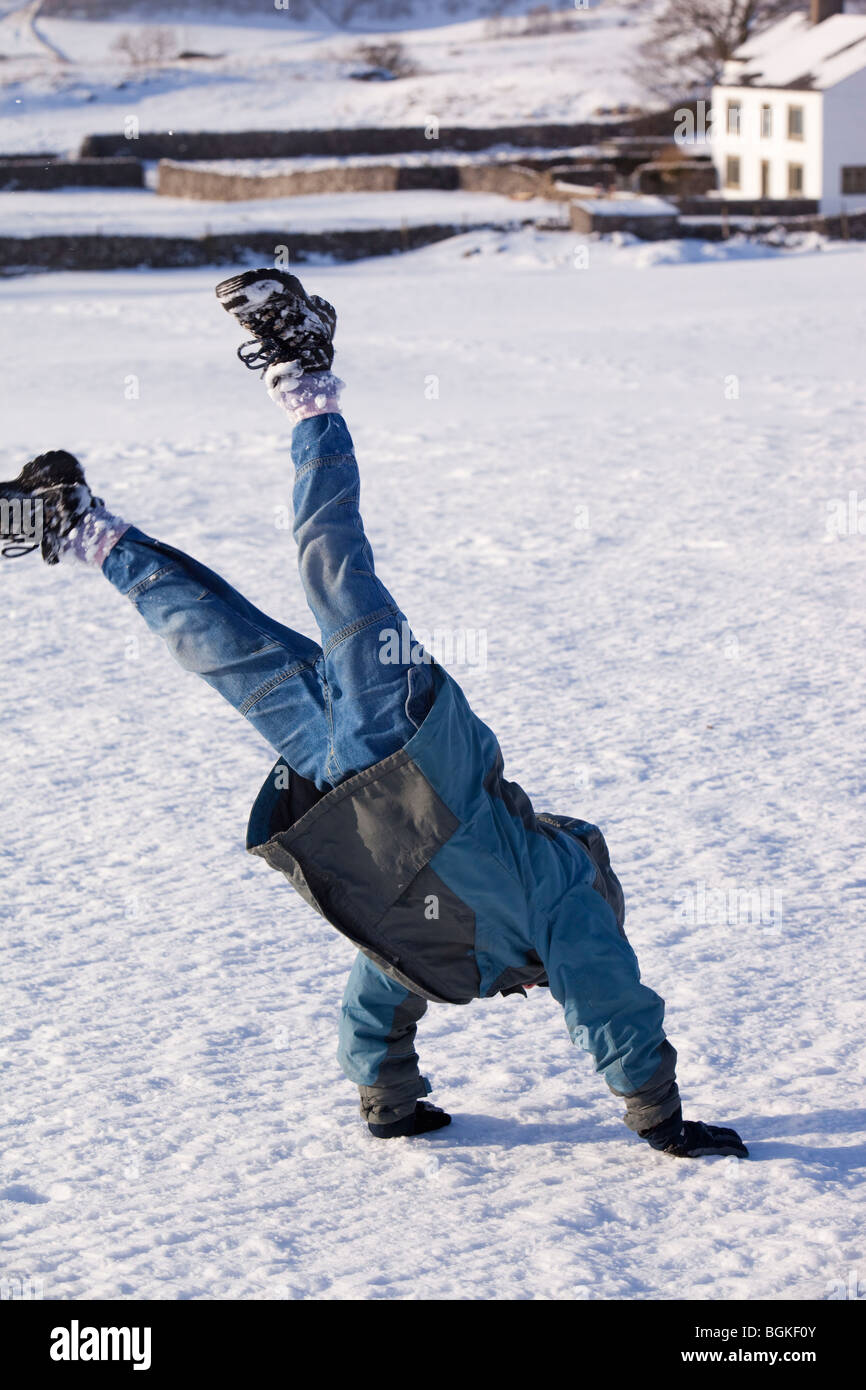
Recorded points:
(789, 115)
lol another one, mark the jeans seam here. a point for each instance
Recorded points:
(271, 684)
(148, 579)
(332, 748)
(357, 626)
(324, 461)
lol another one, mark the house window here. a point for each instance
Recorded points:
(734, 111)
(765, 178)
(732, 172)
(795, 180)
(854, 178)
(766, 122)
(796, 123)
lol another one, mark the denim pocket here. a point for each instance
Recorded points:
(145, 583)
(419, 680)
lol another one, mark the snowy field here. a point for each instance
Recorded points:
(269, 73)
(138, 212)
(624, 475)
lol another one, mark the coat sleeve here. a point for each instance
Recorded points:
(377, 1043)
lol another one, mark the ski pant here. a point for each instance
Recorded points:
(379, 1020)
(332, 708)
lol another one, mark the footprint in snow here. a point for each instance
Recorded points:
(20, 1192)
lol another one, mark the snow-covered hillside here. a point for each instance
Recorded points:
(271, 73)
(636, 479)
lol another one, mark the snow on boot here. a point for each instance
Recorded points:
(40, 507)
(302, 394)
(425, 1119)
(287, 324)
(693, 1139)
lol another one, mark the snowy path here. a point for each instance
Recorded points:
(686, 668)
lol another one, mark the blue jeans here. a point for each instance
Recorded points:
(330, 708)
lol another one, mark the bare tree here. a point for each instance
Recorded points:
(689, 41)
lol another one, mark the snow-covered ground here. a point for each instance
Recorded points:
(636, 479)
(139, 212)
(493, 154)
(270, 73)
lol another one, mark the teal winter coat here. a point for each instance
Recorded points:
(453, 888)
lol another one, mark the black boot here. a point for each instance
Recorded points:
(693, 1139)
(42, 505)
(287, 324)
(424, 1120)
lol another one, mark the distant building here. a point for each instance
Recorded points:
(790, 111)
(651, 219)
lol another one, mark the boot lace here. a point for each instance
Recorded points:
(275, 337)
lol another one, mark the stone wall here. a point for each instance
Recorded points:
(230, 249)
(290, 144)
(584, 175)
(669, 178)
(850, 226)
(743, 207)
(190, 181)
(648, 228)
(846, 225)
(510, 180)
(49, 172)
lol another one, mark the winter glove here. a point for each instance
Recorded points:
(693, 1139)
(425, 1118)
